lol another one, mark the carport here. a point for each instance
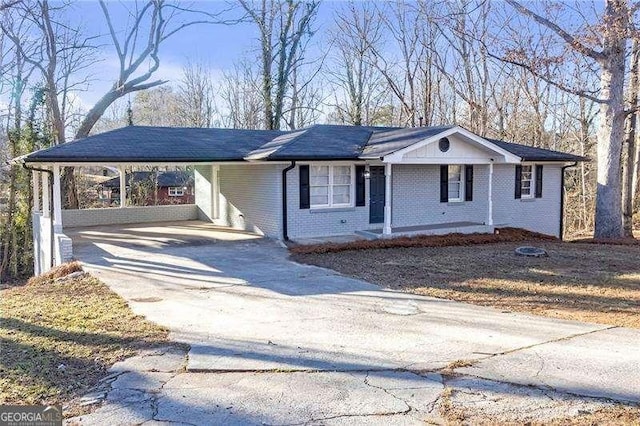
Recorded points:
(130, 148)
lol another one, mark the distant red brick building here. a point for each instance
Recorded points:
(150, 188)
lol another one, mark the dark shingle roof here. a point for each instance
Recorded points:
(158, 144)
(530, 153)
(165, 179)
(388, 140)
(319, 142)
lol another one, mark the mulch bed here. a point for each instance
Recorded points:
(502, 235)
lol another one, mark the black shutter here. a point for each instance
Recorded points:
(518, 189)
(304, 187)
(444, 183)
(360, 186)
(539, 181)
(468, 182)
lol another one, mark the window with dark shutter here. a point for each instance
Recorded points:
(360, 185)
(468, 182)
(444, 183)
(539, 181)
(518, 183)
(305, 201)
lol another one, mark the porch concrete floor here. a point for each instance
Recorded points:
(434, 227)
(276, 342)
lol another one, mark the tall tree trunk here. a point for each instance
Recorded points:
(630, 146)
(611, 132)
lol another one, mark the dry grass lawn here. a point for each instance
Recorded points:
(58, 338)
(585, 282)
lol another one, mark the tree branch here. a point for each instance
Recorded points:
(568, 38)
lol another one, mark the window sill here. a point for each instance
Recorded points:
(527, 199)
(331, 209)
(455, 203)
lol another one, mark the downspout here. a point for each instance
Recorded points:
(562, 198)
(285, 230)
(50, 190)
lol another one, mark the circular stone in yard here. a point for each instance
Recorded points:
(531, 252)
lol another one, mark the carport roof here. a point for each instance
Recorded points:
(158, 144)
(142, 144)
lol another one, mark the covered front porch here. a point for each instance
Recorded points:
(439, 185)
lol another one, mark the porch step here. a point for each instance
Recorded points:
(368, 235)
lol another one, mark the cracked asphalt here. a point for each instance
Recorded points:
(275, 342)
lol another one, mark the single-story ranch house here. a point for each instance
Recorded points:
(321, 181)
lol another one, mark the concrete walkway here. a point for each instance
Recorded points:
(272, 341)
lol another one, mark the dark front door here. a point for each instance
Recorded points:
(376, 194)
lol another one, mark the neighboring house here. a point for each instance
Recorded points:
(150, 188)
(329, 180)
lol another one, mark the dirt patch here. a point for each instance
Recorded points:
(60, 336)
(585, 282)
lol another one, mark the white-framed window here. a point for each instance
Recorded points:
(526, 182)
(455, 182)
(331, 186)
(176, 191)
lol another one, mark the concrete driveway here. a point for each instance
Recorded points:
(272, 341)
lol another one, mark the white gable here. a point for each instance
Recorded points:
(464, 148)
(458, 150)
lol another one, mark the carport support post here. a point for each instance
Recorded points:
(215, 191)
(57, 200)
(123, 186)
(490, 190)
(46, 201)
(386, 230)
(36, 191)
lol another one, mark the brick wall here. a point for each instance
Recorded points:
(535, 214)
(143, 214)
(309, 223)
(251, 198)
(416, 197)
(62, 245)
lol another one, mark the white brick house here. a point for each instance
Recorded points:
(317, 182)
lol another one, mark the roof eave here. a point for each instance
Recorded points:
(84, 160)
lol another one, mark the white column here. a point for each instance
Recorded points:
(386, 230)
(123, 186)
(490, 191)
(57, 199)
(215, 191)
(36, 191)
(46, 201)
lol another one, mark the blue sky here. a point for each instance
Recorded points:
(215, 46)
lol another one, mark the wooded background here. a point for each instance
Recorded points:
(557, 75)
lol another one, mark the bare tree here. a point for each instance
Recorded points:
(156, 107)
(608, 57)
(359, 85)
(195, 97)
(284, 26)
(630, 149)
(242, 103)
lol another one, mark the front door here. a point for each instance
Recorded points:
(376, 194)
